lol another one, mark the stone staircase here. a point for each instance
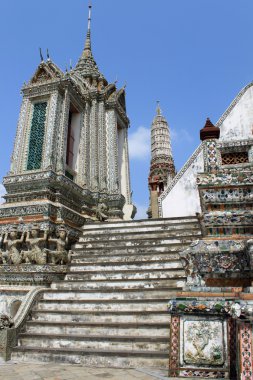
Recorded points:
(111, 308)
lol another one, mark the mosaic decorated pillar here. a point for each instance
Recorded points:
(225, 186)
(210, 135)
(245, 350)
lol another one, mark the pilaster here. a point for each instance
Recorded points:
(112, 151)
(16, 155)
(94, 146)
(81, 173)
(49, 146)
(62, 139)
(102, 147)
(126, 164)
(87, 145)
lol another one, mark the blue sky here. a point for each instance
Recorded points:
(192, 55)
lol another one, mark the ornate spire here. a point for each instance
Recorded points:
(86, 65)
(160, 136)
(162, 169)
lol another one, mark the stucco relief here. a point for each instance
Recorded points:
(203, 258)
(203, 342)
(223, 177)
(30, 248)
(227, 195)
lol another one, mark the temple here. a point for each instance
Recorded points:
(83, 283)
(70, 160)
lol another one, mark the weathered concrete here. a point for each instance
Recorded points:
(46, 371)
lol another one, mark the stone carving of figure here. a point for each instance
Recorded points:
(101, 212)
(3, 255)
(35, 254)
(12, 253)
(201, 223)
(6, 322)
(61, 255)
(187, 258)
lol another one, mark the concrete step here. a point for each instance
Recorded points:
(99, 305)
(93, 358)
(120, 342)
(123, 250)
(157, 257)
(189, 225)
(185, 239)
(140, 223)
(122, 236)
(108, 294)
(122, 266)
(90, 328)
(175, 282)
(132, 274)
(101, 317)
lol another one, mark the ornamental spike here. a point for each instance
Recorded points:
(158, 108)
(41, 56)
(87, 47)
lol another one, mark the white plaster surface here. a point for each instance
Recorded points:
(183, 199)
(238, 124)
(235, 124)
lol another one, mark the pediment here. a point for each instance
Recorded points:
(110, 90)
(46, 72)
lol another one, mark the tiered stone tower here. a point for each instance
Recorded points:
(162, 168)
(70, 160)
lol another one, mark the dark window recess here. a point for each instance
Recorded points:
(69, 175)
(234, 158)
(70, 144)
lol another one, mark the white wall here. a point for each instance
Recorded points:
(181, 198)
(238, 124)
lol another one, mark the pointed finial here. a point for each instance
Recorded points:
(89, 17)
(158, 109)
(209, 131)
(70, 64)
(48, 56)
(41, 56)
(87, 47)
